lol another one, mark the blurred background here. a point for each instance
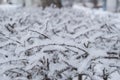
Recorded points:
(106, 5)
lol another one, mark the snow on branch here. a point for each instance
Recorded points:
(59, 44)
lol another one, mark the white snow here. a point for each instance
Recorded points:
(59, 44)
(9, 7)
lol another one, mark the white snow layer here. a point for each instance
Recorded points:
(8, 7)
(59, 44)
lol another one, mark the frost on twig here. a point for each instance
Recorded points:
(42, 45)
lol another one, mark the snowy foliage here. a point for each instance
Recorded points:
(59, 44)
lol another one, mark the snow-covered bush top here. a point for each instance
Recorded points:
(59, 44)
